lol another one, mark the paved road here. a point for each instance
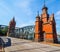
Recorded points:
(20, 45)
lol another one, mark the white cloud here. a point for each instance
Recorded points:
(57, 16)
(58, 13)
(24, 5)
(22, 25)
(6, 13)
(26, 24)
(58, 26)
(49, 1)
(4, 9)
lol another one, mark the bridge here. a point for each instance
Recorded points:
(26, 32)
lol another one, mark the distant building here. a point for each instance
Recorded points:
(11, 27)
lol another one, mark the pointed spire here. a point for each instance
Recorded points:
(44, 6)
(52, 17)
(14, 18)
(37, 17)
(38, 13)
(44, 3)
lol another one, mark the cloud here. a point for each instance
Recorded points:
(6, 13)
(22, 25)
(57, 15)
(27, 23)
(25, 8)
(5, 9)
(49, 1)
(58, 26)
(24, 5)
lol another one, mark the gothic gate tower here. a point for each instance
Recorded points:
(45, 27)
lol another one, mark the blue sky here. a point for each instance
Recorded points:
(25, 11)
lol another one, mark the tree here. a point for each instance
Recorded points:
(3, 31)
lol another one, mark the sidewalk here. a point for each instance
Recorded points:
(21, 45)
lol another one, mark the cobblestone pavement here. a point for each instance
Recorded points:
(21, 45)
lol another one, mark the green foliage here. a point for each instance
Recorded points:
(3, 31)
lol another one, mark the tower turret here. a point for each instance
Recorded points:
(11, 28)
(37, 28)
(45, 14)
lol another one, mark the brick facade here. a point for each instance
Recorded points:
(11, 28)
(45, 27)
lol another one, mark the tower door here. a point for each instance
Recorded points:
(44, 34)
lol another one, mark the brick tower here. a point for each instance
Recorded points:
(45, 27)
(38, 28)
(11, 28)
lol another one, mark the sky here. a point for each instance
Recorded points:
(25, 11)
